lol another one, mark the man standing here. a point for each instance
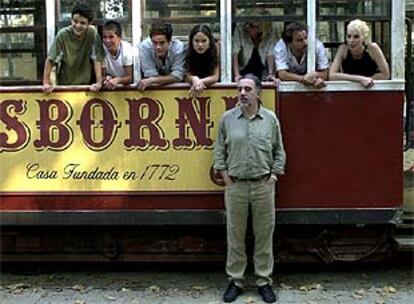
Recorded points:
(291, 59)
(162, 58)
(249, 155)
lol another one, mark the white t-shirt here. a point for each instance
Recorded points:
(115, 64)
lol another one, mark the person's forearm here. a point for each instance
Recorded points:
(124, 80)
(271, 65)
(210, 79)
(381, 76)
(344, 76)
(287, 76)
(236, 72)
(47, 71)
(162, 80)
(98, 71)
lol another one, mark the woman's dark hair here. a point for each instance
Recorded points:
(201, 65)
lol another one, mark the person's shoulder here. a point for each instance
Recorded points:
(126, 45)
(178, 44)
(64, 31)
(373, 46)
(342, 50)
(146, 43)
(267, 112)
(319, 43)
(231, 112)
(91, 31)
(280, 44)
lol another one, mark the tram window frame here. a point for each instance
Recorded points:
(35, 53)
(226, 19)
(378, 19)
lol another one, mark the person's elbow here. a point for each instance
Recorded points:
(387, 74)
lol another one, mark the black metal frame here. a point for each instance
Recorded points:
(196, 217)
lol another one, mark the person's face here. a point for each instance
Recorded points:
(254, 31)
(354, 39)
(79, 24)
(248, 94)
(201, 42)
(111, 41)
(160, 45)
(299, 42)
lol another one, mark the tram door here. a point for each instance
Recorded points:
(22, 41)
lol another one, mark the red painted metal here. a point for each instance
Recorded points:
(111, 202)
(344, 150)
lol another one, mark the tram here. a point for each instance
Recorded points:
(123, 175)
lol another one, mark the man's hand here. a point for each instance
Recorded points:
(319, 83)
(272, 179)
(95, 87)
(270, 77)
(144, 83)
(47, 88)
(110, 83)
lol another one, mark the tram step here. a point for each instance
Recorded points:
(404, 242)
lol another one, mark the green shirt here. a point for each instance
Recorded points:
(72, 55)
(249, 148)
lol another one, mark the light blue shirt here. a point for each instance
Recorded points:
(152, 65)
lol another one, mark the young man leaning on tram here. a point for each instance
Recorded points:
(162, 58)
(119, 56)
(73, 49)
(291, 57)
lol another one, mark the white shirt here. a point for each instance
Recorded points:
(124, 57)
(285, 60)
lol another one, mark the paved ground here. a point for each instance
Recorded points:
(151, 284)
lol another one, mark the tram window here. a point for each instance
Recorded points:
(183, 15)
(264, 20)
(333, 17)
(22, 42)
(119, 10)
(275, 13)
(16, 20)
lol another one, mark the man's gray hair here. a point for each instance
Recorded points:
(256, 81)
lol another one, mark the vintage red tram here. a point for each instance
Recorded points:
(126, 176)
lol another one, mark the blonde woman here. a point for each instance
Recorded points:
(359, 60)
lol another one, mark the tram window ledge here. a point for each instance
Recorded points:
(343, 85)
(284, 86)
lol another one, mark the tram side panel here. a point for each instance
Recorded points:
(344, 154)
(344, 150)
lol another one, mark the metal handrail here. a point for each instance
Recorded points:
(409, 87)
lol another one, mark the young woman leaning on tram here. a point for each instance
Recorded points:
(202, 59)
(359, 60)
